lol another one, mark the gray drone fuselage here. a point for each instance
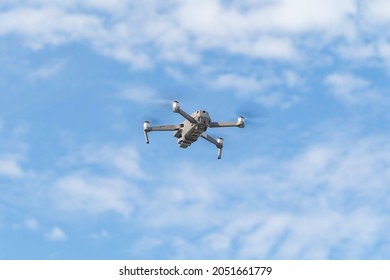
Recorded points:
(190, 132)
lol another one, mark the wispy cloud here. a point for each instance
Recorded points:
(267, 31)
(324, 196)
(13, 151)
(259, 209)
(351, 89)
(10, 166)
(286, 237)
(56, 234)
(268, 90)
(139, 94)
(357, 51)
(31, 224)
(92, 194)
(187, 33)
(32, 24)
(48, 70)
(103, 234)
(277, 99)
(384, 51)
(243, 28)
(376, 12)
(121, 159)
(242, 83)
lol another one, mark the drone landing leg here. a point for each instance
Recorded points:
(219, 153)
(148, 128)
(218, 143)
(146, 137)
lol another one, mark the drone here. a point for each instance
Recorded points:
(193, 127)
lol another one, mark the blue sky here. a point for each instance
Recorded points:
(307, 179)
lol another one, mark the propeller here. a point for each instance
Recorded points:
(253, 113)
(160, 115)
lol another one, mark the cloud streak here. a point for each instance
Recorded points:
(188, 34)
(309, 206)
(103, 179)
(56, 234)
(183, 31)
(10, 166)
(303, 193)
(93, 194)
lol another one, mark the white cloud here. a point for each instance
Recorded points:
(384, 51)
(139, 94)
(10, 166)
(181, 31)
(175, 73)
(310, 237)
(293, 79)
(48, 70)
(68, 26)
(247, 30)
(305, 15)
(214, 26)
(13, 156)
(357, 51)
(214, 19)
(56, 234)
(350, 88)
(122, 159)
(376, 12)
(148, 33)
(299, 206)
(242, 84)
(113, 6)
(63, 27)
(31, 224)
(310, 205)
(277, 99)
(98, 179)
(260, 89)
(187, 198)
(93, 194)
(146, 245)
(103, 234)
(267, 47)
(372, 52)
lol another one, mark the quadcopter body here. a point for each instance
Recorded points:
(193, 127)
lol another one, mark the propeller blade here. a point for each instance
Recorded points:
(253, 113)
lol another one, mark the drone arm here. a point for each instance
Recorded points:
(218, 143)
(186, 116)
(211, 139)
(148, 128)
(223, 124)
(239, 123)
(163, 128)
(176, 108)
